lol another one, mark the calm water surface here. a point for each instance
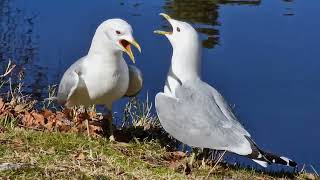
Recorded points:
(262, 56)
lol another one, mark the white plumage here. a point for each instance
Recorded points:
(102, 76)
(194, 112)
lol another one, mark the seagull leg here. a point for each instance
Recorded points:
(107, 124)
(205, 153)
(111, 137)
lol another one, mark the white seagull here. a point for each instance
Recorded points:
(103, 76)
(194, 112)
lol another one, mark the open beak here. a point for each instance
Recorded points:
(127, 47)
(163, 32)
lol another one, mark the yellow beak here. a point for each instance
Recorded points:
(127, 48)
(165, 16)
(163, 32)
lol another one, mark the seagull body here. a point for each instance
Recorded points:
(102, 76)
(102, 83)
(194, 112)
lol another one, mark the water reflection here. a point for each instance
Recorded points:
(203, 14)
(288, 9)
(241, 2)
(17, 40)
(19, 43)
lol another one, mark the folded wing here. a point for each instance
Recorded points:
(199, 116)
(69, 83)
(135, 81)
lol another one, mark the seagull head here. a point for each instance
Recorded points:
(117, 33)
(183, 35)
(186, 56)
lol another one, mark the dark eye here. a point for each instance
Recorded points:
(118, 32)
(178, 29)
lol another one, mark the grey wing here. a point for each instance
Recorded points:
(231, 120)
(197, 117)
(69, 82)
(135, 81)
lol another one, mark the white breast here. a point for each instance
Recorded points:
(106, 81)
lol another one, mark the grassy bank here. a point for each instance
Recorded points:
(57, 155)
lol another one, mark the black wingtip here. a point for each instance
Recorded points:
(286, 161)
(280, 160)
(293, 163)
(260, 155)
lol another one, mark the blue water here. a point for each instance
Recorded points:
(263, 57)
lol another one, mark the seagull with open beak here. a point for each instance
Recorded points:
(194, 112)
(102, 76)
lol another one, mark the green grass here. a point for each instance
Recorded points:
(54, 155)
(74, 156)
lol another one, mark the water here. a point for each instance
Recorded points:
(262, 56)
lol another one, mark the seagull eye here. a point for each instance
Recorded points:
(118, 32)
(178, 29)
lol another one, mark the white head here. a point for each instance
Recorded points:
(182, 35)
(186, 58)
(116, 35)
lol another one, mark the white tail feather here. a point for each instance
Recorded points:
(261, 163)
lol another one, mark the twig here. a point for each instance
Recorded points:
(304, 165)
(314, 170)
(8, 69)
(224, 152)
(11, 91)
(193, 155)
(88, 130)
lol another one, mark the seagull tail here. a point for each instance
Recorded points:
(265, 158)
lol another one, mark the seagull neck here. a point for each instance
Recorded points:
(186, 62)
(103, 47)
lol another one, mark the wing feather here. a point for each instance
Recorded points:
(69, 82)
(199, 116)
(135, 81)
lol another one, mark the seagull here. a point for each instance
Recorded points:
(102, 76)
(194, 112)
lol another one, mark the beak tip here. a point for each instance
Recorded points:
(135, 43)
(139, 49)
(128, 50)
(165, 16)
